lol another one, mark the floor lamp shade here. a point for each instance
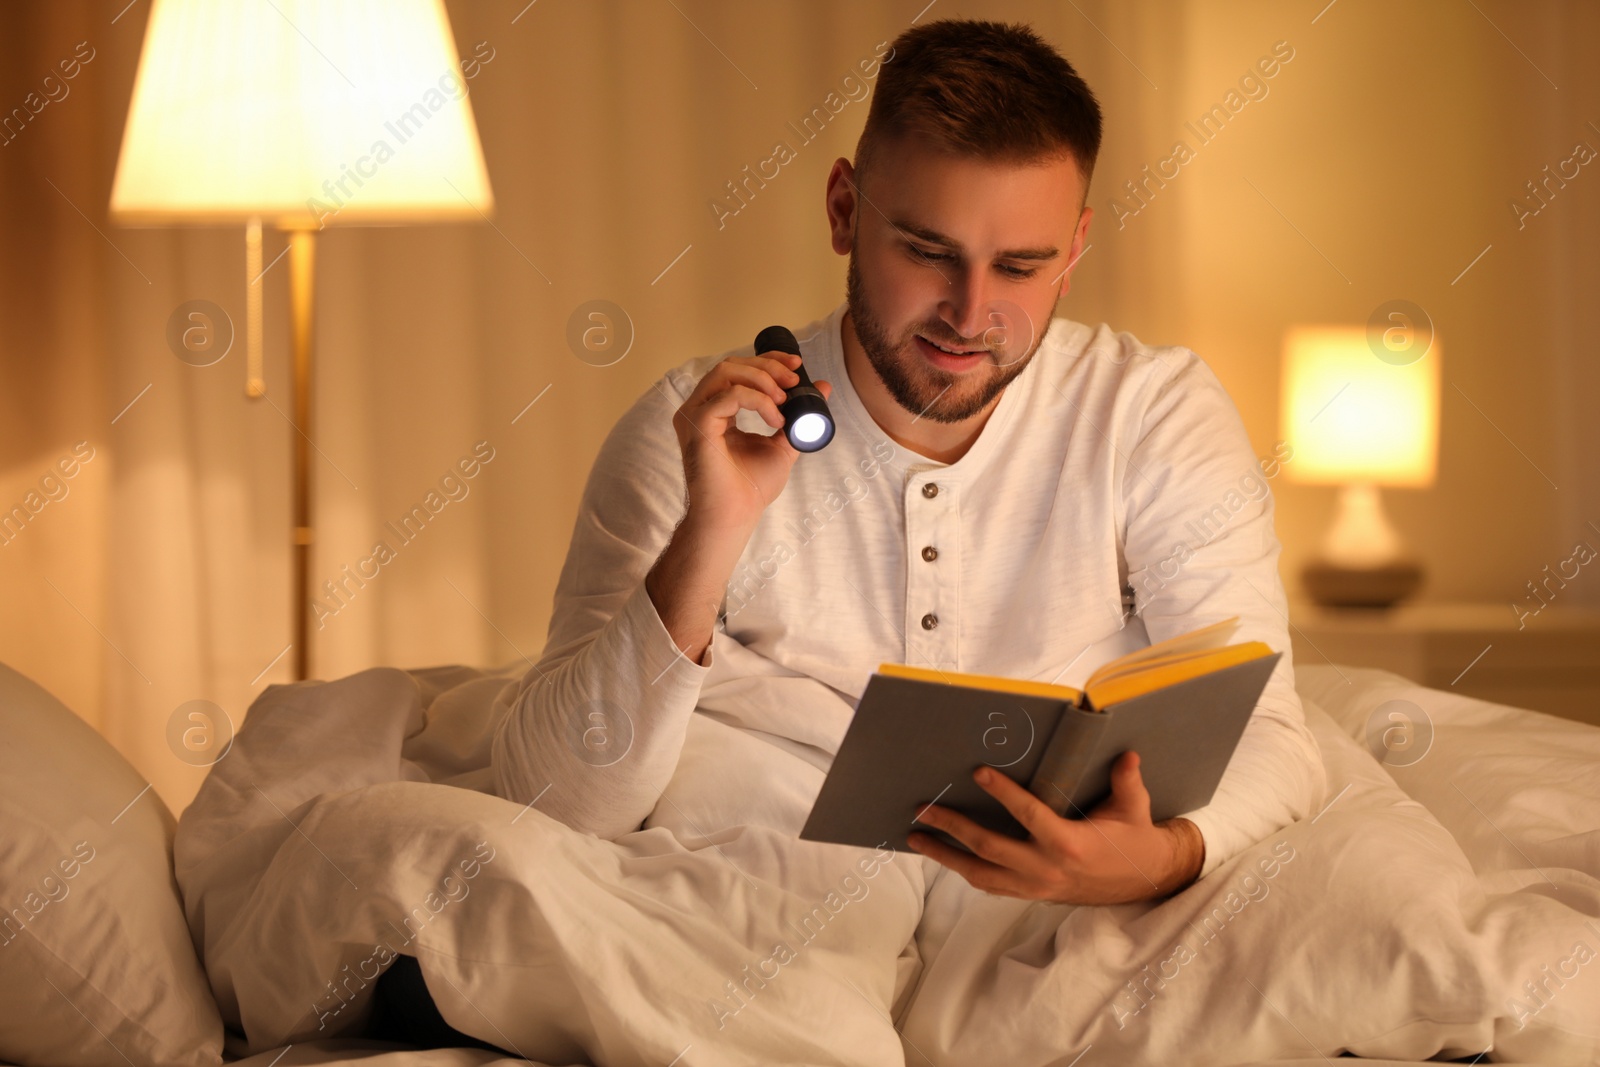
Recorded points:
(301, 112)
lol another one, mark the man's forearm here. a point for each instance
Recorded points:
(690, 579)
(1188, 855)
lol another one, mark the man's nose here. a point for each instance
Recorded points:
(968, 305)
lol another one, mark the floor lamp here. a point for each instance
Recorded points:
(301, 114)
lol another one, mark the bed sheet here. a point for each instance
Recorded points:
(345, 804)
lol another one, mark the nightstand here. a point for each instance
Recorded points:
(1551, 664)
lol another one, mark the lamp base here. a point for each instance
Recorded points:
(1341, 586)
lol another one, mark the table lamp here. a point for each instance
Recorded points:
(1359, 416)
(302, 114)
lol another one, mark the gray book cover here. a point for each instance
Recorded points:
(912, 742)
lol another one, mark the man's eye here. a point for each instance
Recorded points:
(940, 257)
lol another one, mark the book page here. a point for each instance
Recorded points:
(1125, 685)
(1171, 650)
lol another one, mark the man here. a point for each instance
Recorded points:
(725, 599)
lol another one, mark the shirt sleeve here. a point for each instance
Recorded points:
(598, 723)
(1200, 547)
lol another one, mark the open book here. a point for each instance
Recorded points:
(919, 733)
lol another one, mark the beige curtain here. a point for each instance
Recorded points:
(159, 572)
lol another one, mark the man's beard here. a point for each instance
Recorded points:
(917, 385)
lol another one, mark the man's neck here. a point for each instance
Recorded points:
(942, 442)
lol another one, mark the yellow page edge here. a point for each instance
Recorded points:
(1109, 694)
(994, 682)
(1207, 637)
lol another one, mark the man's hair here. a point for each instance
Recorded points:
(988, 89)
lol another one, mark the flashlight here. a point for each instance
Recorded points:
(806, 419)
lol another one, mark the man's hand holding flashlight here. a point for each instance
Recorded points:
(731, 476)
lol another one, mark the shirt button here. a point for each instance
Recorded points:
(930, 489)
(930, 553)
(929, 621)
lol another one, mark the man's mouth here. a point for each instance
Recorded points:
(952, 350)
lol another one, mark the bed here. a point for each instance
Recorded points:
(1444, 904)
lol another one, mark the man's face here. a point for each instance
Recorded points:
(967, 254)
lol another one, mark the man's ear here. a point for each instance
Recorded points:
(1080, 238)
(841, 203)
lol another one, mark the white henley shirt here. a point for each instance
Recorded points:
(1107, 464)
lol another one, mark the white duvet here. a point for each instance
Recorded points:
(1455, 912)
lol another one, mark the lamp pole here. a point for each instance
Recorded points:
(302, 249)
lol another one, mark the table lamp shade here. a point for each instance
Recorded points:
(1353, 417)
(303, 112)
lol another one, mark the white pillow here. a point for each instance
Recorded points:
(96, 963)
(1518, 789)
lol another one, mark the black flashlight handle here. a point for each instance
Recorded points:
(801, 398)
(781, 339)
(777, 339)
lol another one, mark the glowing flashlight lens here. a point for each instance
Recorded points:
(810, 427)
